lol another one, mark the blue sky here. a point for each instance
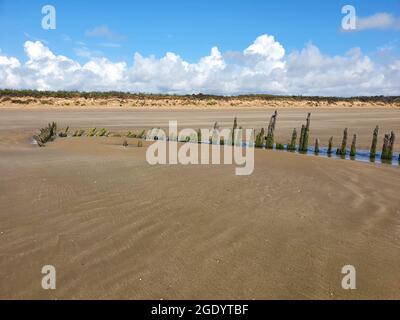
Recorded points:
(117, 29)
(190, 27)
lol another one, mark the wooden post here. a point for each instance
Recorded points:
(342, 151)
(353, 150)
(303, 128)
(388, 145)
(391, 145)
(271, 131)
(305, 133)
(372, 152)
(260, 139)
(316, 147)
(292, 145)
(235, 125)
(330, 146)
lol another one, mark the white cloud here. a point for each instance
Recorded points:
(378, 21)
(103, 32)
(263, 67)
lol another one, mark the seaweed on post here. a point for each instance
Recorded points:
(235, 126)
(279, 146)
(46, 134)
(142, 134)
(353, 149)
(260, 139)
(374, 143)
(342, 150)
(64, 134)
(330, 146)
(270, 139)
(292, 145)
(391, 145)
(316, 146)
(78, 133)
(102, 132)
(305, 133)
(388, 145)
(91, 132)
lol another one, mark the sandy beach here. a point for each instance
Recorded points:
(117, 228)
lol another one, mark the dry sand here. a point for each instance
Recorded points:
(116, 227)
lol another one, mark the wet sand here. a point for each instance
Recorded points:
(116, 227)
(325, 122)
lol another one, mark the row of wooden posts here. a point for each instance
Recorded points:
(262, 139)
(268, 140)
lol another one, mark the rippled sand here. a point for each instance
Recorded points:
(116, 227)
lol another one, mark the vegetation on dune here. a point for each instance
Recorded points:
(36, 94)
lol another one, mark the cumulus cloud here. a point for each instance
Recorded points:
(263, 67)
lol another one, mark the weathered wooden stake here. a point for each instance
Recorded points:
(385, 147)
(260, 139)
(342, 150)
(372, 152)
(303, 128)
(330, 145)
(235, 127)
(391, 145)
(271, 131)
(316, 147)
(353, 150)
(305, 133)
(292, 145)
(388, 145)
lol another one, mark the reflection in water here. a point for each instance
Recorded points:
(361, 155)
